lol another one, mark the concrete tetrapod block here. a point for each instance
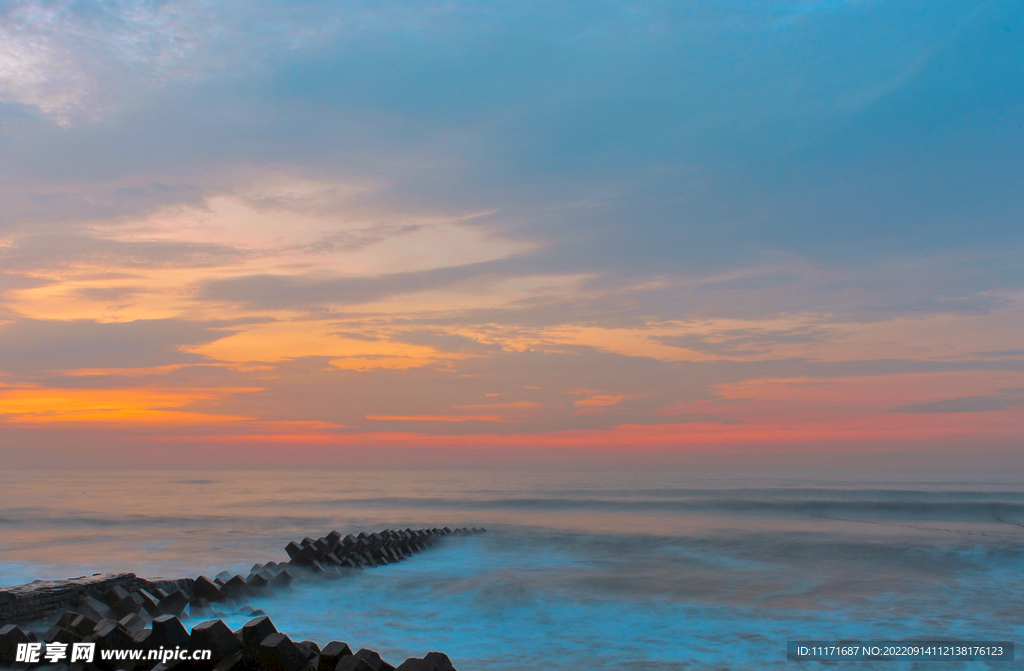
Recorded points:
(133, 622)
(233, 586)
(168, 632)
(66, 618)
(217, 637)
(114, 594)
(59, 634)
(149, 602)
(253, 634)
(10, 636)
(130, 604)
(282, 579)
(83, 625)
(352, 663)
(207, 589)
(174, 604)
(373, 659)
(440, 660)
(111, 636)
(332, 654)
(94, 608)
(279, 653)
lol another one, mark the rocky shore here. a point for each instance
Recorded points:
(124, 612)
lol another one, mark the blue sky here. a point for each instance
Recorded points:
(738, 184)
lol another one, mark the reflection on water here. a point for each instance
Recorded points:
(670, 570)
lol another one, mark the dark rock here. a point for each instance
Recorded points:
(174, 604)
(216, 636)
(256, 580)
(83, 625)
(207, 589)
(141, 638)
(293, 549)
(174, 665)
(332, 654)
(352, 663)
(305, 555)
(233, 587)
(374, 660)
(111, 636)
(253, 634)
(168, 632)
(233, 663)
(66, 618)
(200, 608)
(159, 593)
(224, 575)
(130, 604)
(149, 601)
(278, 653)
(440, 660)
(132, 622)
(94, 608)
(282, 579)
(114, 594)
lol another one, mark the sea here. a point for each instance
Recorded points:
(607, 569)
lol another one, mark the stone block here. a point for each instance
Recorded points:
(94, 608)
(331, 654)
(282, 579)
(149, 601)
(132, 622)
(374, 660)
(253, 633)
(256, 581)
(133, 603)
(352, 663)
(174, 604)
(233, 663)
(440, 661)
(83, 625)
(216, 636)
(199, 608)
(168, 632)
(207, 589)
(66, 618)
(279, 653)
(233, 587)
(114, 594)
(224, 575)
(159, 593)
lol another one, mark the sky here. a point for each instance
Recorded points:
(272, 234)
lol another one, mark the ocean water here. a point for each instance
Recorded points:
(578, 570)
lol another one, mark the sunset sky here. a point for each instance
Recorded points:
(329, 233)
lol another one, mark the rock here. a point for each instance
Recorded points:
(141, 638)
(332, 654)
(173, 604)
(83, 625)
(352, 663)
(111, 636)
(253, 634)
(66, 618)
(114, 594)
(223, 575)
(374, 660)
(130, 604)
(10, 636)
(233, 663)
(233, 587)
(132, 622)
(207, 589)
(440, 660)
(278, 653)
(168, 632)
(293, 549)
(256, 580)
(159, 593)
(199, 608)
(282, 579)
(149, 601)
(94, 608)
(216, 636)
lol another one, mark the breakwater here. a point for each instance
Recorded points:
(125, 612)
